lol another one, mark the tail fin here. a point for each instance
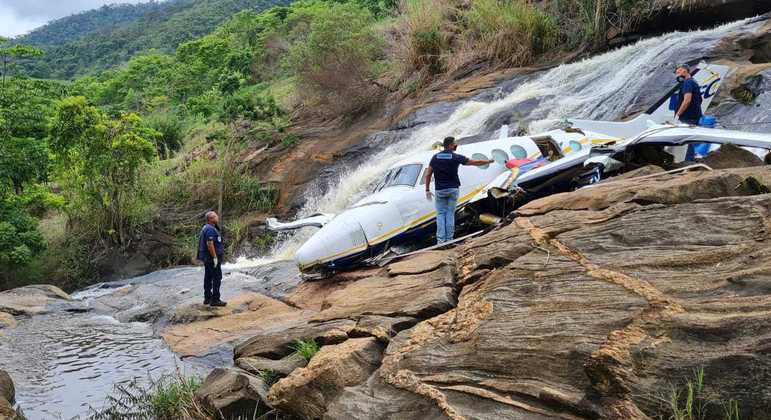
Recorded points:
(708, 76)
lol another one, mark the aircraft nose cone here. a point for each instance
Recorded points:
(341, 237)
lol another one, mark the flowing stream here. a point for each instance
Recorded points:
(65, 362)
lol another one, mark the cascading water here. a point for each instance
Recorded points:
(606, 87)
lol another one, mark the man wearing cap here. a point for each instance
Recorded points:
(689, 107)
(211, 249)
(444, 167)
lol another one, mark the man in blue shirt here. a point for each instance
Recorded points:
(444, 167)
(689, 107)
(211, 249)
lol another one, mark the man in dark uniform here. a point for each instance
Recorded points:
(444, 167)
(211, 249)
(689, 107)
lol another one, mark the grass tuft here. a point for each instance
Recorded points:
(306, 348)
(694, 402)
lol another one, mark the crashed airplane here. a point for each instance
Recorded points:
(525, 168)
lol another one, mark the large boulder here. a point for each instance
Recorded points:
(258, 365)
(307, 391)
(7, 397)
(33, 300)
(7, 390)
(7, 320)
(419, 287)
(233, 393)
(224, 325)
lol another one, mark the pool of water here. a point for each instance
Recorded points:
(64, 364)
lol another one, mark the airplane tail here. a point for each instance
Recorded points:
(708, 76)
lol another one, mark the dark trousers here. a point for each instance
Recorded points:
(212, 278)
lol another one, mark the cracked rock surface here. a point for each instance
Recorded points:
(591, 304)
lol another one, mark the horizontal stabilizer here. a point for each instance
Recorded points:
(317, 220)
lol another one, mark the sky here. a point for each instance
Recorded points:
(20, 16)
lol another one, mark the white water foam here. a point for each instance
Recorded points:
(602, 87)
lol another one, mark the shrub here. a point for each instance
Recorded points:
(334, 56)
(425, 33)
(171, 129)
(507, 32)
(253, 103)
(306, 348)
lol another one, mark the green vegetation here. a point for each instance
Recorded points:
(167, 398)
(695, 402)
(162, 27)
(306, 348)
(270, 377)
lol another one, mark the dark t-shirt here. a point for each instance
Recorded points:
(445, 165)
(210, 233)
(693, 112)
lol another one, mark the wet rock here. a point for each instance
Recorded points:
(419, 295)
(730, 156)
(233, 393)
(198, 312)
(427, 115)
(33, 300)
(7, 412)
(666, 189)
(308, 391)
(258, 313)
(283, 366)
(7, 398)
(274, 339)
(7, 390)
(7, 320)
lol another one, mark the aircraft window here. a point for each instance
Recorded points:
(480, 156)
(403, 175)
(500, 156)
(575, 146)
(518, 152)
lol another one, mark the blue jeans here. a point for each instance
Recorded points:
(445, 201)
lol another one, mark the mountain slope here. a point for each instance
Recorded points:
(106, 41)
(70, 28)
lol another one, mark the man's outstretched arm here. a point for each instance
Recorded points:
(472, 162)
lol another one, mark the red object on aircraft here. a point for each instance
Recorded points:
(516, 163)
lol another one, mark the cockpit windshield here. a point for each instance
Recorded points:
(403, 175)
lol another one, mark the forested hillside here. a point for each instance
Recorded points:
(103, 19)
(97, 40)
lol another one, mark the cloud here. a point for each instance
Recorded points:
(20, 16)
(11, 24)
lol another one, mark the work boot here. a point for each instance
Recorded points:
(218, 303)
(206, 301)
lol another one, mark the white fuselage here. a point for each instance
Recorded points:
(399, 208)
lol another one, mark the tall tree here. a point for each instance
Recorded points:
(98, 160)
(10, 54)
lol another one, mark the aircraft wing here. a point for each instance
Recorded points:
(317, 220)
(675, 135)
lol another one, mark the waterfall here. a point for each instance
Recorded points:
(605, 87)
